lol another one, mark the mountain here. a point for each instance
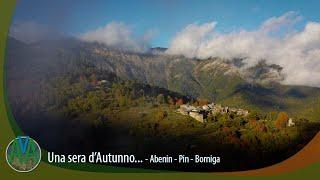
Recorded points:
(158, 50)
(216, 79)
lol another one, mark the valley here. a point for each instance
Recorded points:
(128, 102)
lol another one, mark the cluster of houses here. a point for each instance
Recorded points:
(200, 113)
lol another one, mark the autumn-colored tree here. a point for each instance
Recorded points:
(161, 114)
(260, 127)
(226, 130)
(233, 139)
(202, 101)
(179, 102)
(282, 120)
(263, 128)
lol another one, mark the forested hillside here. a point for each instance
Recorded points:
(98, 98)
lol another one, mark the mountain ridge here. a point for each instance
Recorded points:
(216, 79)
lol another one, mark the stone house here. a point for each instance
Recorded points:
(290, 122)
(198, 116)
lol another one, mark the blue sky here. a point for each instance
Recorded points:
(165, 17)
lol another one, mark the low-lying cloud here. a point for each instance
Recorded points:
(31, 31)
(275, 41)
(120, 36)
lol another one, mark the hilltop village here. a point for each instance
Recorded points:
(200, 113)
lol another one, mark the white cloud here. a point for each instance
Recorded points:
(119, 35)
(188, 41)
(285, 21)
(275, 40)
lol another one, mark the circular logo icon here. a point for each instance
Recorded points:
(23, 154)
